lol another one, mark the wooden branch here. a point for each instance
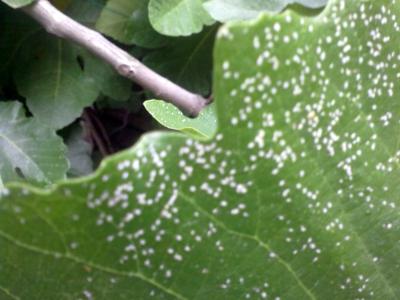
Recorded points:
(57, 23)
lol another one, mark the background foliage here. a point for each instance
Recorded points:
(57, 80)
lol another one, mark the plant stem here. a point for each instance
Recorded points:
(93, 134)
(98, 126)
(57, 23)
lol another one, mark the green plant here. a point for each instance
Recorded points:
(293, 197)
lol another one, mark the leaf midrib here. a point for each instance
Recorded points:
(8, 293)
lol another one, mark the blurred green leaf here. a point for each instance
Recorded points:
(127, 21)
(186, 61)
(86, 12)
(105, 78)
(178, 17)
(15, 28)
(49, 76)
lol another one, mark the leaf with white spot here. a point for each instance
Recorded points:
(296, 197)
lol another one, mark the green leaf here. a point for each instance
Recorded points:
(17, 3)
(203, 127)
(178, 17)
(227, 10)
(85, 12)
(127, 21)
(296, 197)
(49, 76)
(105, 78)
(16, 27)
(186, 61)
(28, 149)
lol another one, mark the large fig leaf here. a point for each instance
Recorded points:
(228, 10)
(17, 3)
(178, 17)
(295, 198)
(28, 149)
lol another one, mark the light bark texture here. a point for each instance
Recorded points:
(57, 23)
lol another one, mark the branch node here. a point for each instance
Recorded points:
(126, 70)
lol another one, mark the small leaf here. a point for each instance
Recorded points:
(228, 10)
(202, 127)
(17, 3)
(28, 149)
(178, 17)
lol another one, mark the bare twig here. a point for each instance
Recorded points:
(98, 126)
(57, 23)
(95, 136)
